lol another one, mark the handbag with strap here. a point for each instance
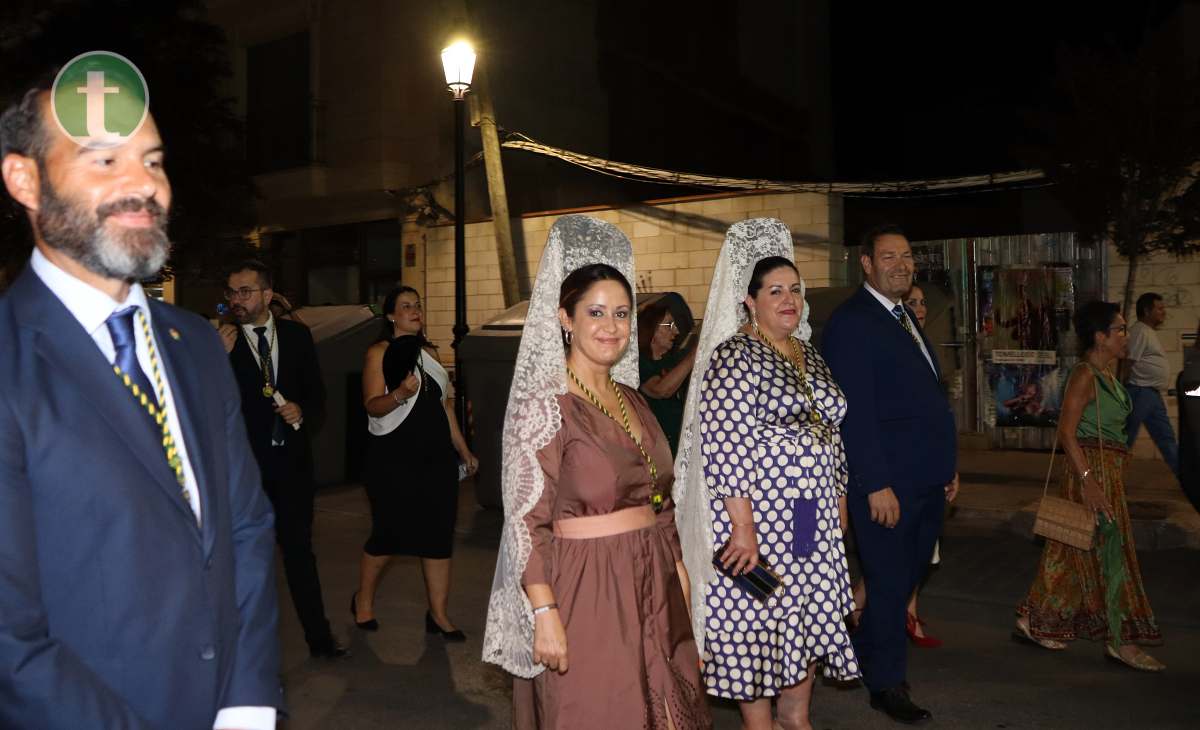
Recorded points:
(1062, 520)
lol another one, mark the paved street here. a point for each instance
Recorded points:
(399, 679)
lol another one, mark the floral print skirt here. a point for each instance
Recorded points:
(1069, 596)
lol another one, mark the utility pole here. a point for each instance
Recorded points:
(484, 116)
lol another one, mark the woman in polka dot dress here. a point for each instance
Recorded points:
(775, 469)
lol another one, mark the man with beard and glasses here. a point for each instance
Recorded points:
(137, 584)
(901, 443)
(275, 364)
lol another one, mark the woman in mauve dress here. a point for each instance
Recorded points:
(587, 487)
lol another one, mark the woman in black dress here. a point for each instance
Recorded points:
(413, 501)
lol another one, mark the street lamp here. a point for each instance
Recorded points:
(458, 61)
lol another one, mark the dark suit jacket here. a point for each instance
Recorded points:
(899, 430)
(298, 379)
(116, 609)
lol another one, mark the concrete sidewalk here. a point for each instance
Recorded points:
(1002, 489)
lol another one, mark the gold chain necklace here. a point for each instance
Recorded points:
(157, 412)
(656, 497)
(797, 361)
(266, 366)
(1112, 381)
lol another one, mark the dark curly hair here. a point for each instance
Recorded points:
(23, 126)
(648, 321)
(1091, 319)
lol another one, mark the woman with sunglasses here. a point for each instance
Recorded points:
(1094, 594)
(663, 368)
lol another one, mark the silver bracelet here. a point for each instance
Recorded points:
(544, 609)
(1084, 475)
(396, 397)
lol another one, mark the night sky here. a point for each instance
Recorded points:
(914, 91)
(934, 91)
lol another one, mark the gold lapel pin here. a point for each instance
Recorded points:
(174, 333)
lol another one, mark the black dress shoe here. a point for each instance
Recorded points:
(896, 704)
(431, 627)
(332, 650)
(368, 625)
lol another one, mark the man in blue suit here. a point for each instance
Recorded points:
(137, 585)
(900, 441)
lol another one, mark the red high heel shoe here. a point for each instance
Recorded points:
(924, 642)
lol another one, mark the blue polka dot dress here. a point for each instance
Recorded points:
(758, 441)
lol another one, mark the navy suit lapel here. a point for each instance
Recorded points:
(186, 391)
(896, 330)
(283, 373)
(73, 356)
(243, 360)
(937, 367)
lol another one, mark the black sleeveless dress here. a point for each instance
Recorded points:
(412, 482)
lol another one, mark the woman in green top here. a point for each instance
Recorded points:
(1094, 594)
(662, 368)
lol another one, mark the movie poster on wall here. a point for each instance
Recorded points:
(1024, 387)
(1025, 306)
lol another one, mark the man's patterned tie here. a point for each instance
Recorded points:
(278, 428)
(898, 313)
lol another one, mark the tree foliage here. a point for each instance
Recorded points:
(1121, 140)
(186, 64)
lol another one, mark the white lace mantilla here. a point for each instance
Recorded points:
(746, 243)
(532, 418)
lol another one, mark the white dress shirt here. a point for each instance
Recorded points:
(889, 305)
(91, 307)
(272, 340)
(273, 343)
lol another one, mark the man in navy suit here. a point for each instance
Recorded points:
(137, 585)
(900, 441)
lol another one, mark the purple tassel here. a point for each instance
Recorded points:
(804, 526)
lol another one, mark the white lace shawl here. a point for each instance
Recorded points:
(532, 418)
(746, 243)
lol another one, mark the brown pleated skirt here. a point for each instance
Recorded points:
(631, 655)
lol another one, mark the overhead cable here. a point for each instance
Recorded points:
(641, 173)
